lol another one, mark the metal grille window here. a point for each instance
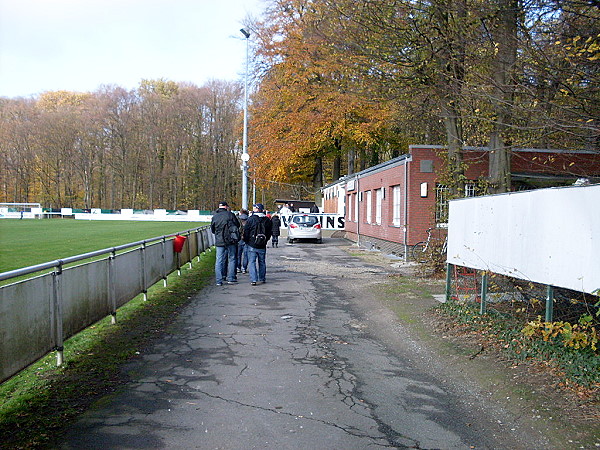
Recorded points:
(441, 203)
(470, 190)
(442, 193)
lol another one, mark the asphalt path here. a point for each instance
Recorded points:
(290, 364)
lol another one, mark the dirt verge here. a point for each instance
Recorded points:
(533, 394)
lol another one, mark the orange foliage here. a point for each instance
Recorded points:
(307, 102)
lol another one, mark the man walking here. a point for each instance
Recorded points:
(242, 255)
(225, 227)
(257, 233)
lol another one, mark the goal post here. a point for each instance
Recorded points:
(14, 210)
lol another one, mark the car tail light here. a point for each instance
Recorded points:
(293, 225)
(317, 226)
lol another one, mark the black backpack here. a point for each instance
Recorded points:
(260, 237)
(231, 233)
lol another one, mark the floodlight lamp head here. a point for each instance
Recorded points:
(245, 33)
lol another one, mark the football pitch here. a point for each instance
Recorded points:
(28, 242)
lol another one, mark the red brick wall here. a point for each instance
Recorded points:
(384, 179)
(556, 163)
(421, 210)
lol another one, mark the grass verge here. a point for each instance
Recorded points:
(39, 403)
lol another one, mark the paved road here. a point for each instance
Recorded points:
(291, 364)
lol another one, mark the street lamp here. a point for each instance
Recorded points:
(245, 155)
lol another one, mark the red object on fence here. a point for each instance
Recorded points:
(178, 243)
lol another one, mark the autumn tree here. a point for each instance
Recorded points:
(306, 114)
(501, 73)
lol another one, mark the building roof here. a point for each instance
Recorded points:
(407, 157)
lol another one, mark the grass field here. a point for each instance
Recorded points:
(28, 242)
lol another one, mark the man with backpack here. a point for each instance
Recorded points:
(257, 232)
(242, 255)
(226, 228)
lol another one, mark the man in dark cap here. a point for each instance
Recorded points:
(225, 227)
(242, 255)
(257, 233)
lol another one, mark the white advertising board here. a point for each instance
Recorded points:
(549, 236)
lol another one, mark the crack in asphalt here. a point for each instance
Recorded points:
(349, 430)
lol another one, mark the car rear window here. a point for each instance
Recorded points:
(309, 220)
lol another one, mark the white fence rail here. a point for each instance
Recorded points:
(548, 236)
(38, 314)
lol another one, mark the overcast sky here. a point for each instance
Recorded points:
(79, 45)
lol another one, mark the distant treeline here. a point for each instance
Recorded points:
(162, 145)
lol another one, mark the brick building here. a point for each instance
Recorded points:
(392, 205)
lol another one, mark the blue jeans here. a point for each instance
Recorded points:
(257, 255)
(226, 262)
(242, 256)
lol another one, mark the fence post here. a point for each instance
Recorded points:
(484, 286)
(57, 310)
(211, 239)
(112, 298)
(189, 246)
(164, 258)
(448, 281)
(198, 244)
(143, 263)
(201, 248)
(549, 303)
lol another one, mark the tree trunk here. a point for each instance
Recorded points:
(499, 164)
(318, 178)
(337, 168)
(503, 66)
(351, 160)
(451, 16)
(455, 157)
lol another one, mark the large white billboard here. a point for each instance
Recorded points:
(549, 236)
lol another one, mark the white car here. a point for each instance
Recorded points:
(304, 226)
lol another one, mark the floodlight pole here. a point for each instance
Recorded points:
(245, 155)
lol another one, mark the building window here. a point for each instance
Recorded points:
(356, 210)
(397, 206)
(442, 193)
(470, 190)
(369, 206)
(441, 203)
(349, 202)
(378, 201)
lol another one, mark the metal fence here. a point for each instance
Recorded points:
(517, 299)
(38, 314)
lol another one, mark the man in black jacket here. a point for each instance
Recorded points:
(223, 225)
(258, 224)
